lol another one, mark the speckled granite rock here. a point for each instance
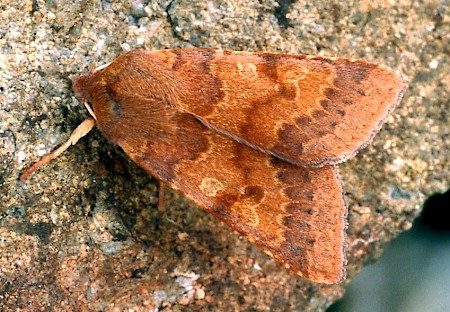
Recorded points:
(84, 232)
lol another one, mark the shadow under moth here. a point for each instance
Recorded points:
(253, 138)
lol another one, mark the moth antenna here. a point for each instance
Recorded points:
(77, 134)
(101, 67)
(90, 110)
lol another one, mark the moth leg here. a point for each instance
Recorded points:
(161, 190)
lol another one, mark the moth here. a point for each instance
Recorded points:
(253, 138)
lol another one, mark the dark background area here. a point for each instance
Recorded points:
(414, 272)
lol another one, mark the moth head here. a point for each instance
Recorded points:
(84, 85)
(81, 86)
(89, 89)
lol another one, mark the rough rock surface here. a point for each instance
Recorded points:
(84, 233)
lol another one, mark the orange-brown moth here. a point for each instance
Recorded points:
(253, 138)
